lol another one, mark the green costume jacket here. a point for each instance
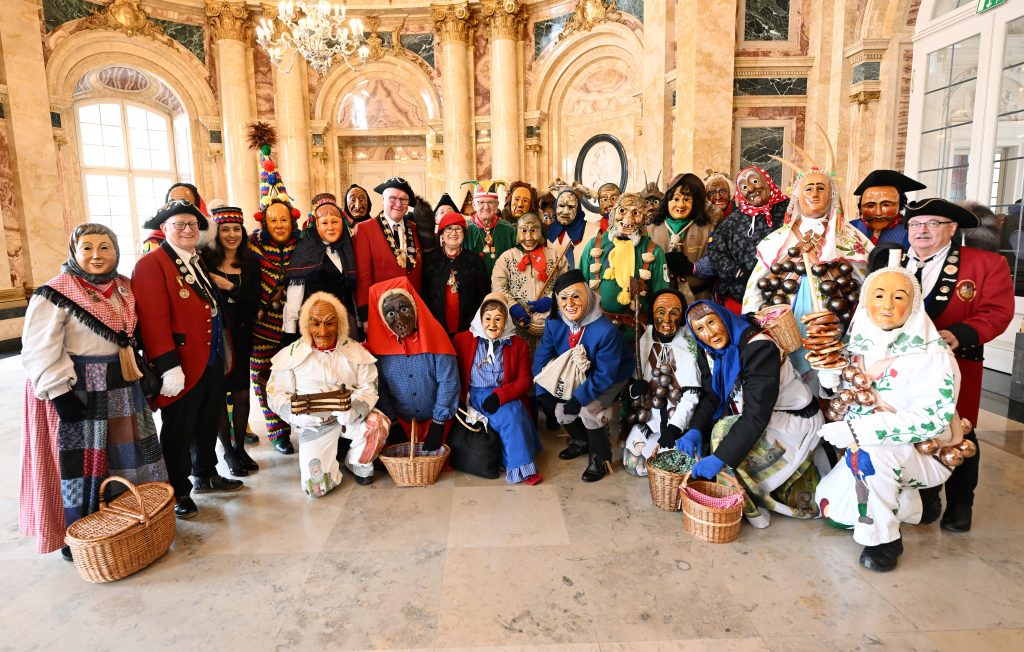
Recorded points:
(608, 290)
(504, 235)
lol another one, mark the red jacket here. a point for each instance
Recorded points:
(518, 377)
(176, 330)
(375, 262)
(973, 299)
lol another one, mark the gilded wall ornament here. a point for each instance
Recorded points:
(452, 22)
(127, 17)
(589, 13)
(228, 20)
(378, 50)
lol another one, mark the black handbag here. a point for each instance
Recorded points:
(150, 381)
(475, 449)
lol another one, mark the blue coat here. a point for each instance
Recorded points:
(611, 358)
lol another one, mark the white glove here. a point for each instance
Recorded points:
(173, 382)
(563, 418)
(829, 378)
(837, 433)
(305, 421)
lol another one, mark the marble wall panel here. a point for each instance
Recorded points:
(422, 45)
(798, 114)
(903, 107)
(766, 20)
(380, 104)
(9, 210)
(483, 161)
(758, 144)
(481, 74)
(122, 78)
(634, 8)
(58, 12)
(607, 88)
(191, 37)
(915, 6)
(770, 86)
(799, 41)
(263, 80)
(545, 32)
(866, 70)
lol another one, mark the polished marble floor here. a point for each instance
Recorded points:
(473, 564)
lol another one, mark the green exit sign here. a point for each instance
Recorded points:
(985, 5)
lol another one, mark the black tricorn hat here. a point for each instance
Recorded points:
(572, 277)
(398, 183)
(446, 200)
(900, 181)
(176, 207)
(933, 206)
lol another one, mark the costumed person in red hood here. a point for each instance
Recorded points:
(182, 326)
(760, 209)
(185, 191)
(273, 244)
(357, 206)
(419, 376)
(882, 196)
(323, 261)
(85, 416)
(968, 293)
(388, 246)
(488, 235)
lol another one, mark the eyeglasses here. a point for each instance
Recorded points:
(181, 226)
(397, 200)
(718, 191)
(931, 225)
(490, 203)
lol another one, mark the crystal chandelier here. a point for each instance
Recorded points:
(315, 29)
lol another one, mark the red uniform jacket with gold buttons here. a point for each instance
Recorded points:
(376, 262)
(175, 317)
(973, 300)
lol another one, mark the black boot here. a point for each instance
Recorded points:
(247, 462)
(882, 558)
(931, 504)
(65, 552)
(957, 518)
(596, 469)
(578, 442)
(283, 445)
(234, 463)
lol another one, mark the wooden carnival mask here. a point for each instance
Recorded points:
(889, 300)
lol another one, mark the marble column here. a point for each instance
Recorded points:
(231, 34)
(33, 155)
(506, 20)
(291, 109)
(705, 49)
(655, 140)
(829, 81)
(453, 26)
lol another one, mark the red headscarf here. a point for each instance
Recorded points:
(429, 337)
(774, 198)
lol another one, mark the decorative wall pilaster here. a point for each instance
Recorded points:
(505, 20)
(453, 26)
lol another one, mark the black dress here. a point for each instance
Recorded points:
(732, 248)
(240, 305)
(473, 285)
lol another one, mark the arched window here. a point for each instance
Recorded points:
(127, 153)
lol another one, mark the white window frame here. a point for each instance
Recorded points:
(129, 170)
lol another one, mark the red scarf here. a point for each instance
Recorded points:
(476, 220)
(540, 264)
(98, 303)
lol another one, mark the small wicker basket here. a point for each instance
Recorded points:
(125, 535)
(781, 325)
(664, 487)
(411, 466)
(711, 524)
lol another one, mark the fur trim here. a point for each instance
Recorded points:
(339, 308)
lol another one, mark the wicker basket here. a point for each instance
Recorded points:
(664, 487)
(781, 325)
(711, 524)
(125, 535)
(411, 466)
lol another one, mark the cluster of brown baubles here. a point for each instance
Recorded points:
(836, 282)
(661, 394)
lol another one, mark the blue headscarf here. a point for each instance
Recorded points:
(727, 359)
(575, 228)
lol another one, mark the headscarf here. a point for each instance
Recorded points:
(917, 336)
(477, 326)
(575, 228)
(774, 198)
(429, 336)
(71, 266)
(727, 359)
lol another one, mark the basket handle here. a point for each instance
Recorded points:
(412, 440)
(141, 516)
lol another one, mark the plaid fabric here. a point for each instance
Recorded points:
(40, 511)
(117, 437)
(259, 372)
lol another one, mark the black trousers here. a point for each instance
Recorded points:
(961, 484)
(188, 433)
(598, 440)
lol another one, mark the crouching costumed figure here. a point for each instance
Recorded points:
(325, 386)
(760, 418)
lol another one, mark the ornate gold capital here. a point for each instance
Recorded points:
(125, 16)
(865, 97)
(506, 17)
(452, 22)
(587, 14)
(228, 20)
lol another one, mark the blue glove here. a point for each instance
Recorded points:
(707, 467)
(540, 305)
(519, 314)
(689, 443)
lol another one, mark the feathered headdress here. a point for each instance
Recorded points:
(262, 138)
